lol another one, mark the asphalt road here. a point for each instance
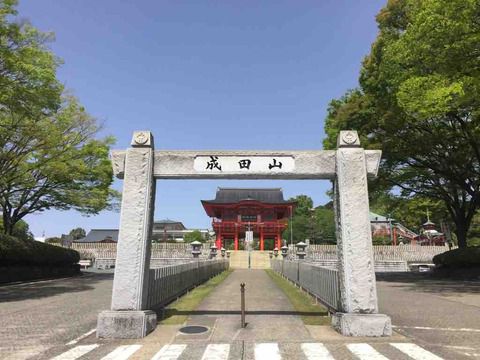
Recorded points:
(438, 314)
(42, 317)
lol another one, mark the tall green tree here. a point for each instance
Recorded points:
(49, 155)
(307, 222)
(194, 235)
(419, 102)
(77, 233)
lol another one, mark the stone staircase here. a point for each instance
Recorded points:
(258, 260)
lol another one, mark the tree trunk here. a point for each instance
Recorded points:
(461, 230)
(7, 225)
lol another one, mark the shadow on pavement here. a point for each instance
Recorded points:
(172, 312)
(427, 282)
(42, 289)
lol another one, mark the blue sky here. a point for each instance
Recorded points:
(205, 75)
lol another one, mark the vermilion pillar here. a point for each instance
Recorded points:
(235, 240)
(279, 240)
(218, 243)
(262, 241)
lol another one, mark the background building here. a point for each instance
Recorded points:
(163, 231)
(237, 210)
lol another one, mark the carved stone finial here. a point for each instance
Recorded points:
(348, 138)
(142, 139)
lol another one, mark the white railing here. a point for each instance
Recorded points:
(409, 253)
(169, 282)
(319, 281)
(158, 250)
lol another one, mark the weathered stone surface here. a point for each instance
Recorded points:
(315, 164)
(348, 166)
(130, 285)
(362, 324)
(126, 324)
(356, 266)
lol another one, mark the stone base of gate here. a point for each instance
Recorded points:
(362, 324)
(126, 324)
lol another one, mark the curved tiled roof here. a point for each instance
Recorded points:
(234, 195)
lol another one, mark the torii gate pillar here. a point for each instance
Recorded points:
(358, 293)
(129, 316)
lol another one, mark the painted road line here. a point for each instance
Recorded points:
(170, 352)
(76, 352)
(439, 329)
(216, 352)
(415, 352)
(122, 352)
(316, 351)
(268, 351)
(365, 352)
(81, 337)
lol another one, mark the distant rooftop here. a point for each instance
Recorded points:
(167, 221)
(379, 218)
(97, 235)
(234, 195)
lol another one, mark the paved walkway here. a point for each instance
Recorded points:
(270, 315)
(437, 317)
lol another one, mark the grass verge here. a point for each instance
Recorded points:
(177, 311)
(311, 313)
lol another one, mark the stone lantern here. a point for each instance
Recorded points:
(196, 249)
(213, 252)
(284, 249)
(275, 252)
(301, 250)
(228, 254)
(222, 251)
(270, 254)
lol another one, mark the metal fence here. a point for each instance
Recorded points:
(319, 281)
(169, 282)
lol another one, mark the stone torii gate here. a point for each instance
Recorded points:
(348, 167)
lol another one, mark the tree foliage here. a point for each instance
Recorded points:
(50, 156)
(77, 233)
(21, 230)
(307, 222)
(419, 102)
(194, 235)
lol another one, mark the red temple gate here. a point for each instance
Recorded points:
(235, 211)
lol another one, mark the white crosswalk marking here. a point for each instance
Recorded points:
(122, 352)
(415, 352)
(315, 351)
(267, 351)
(76, 352)
(365, 352)
(169, 352)
(216, 352)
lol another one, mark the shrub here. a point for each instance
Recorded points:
(461, 257)
(14, 251)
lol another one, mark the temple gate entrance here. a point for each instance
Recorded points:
(348, 168)
(235, 211)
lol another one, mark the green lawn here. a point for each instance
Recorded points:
(175, 312)
(312, 313)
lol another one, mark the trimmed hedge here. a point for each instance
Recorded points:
(458, 258)
(14, 251)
